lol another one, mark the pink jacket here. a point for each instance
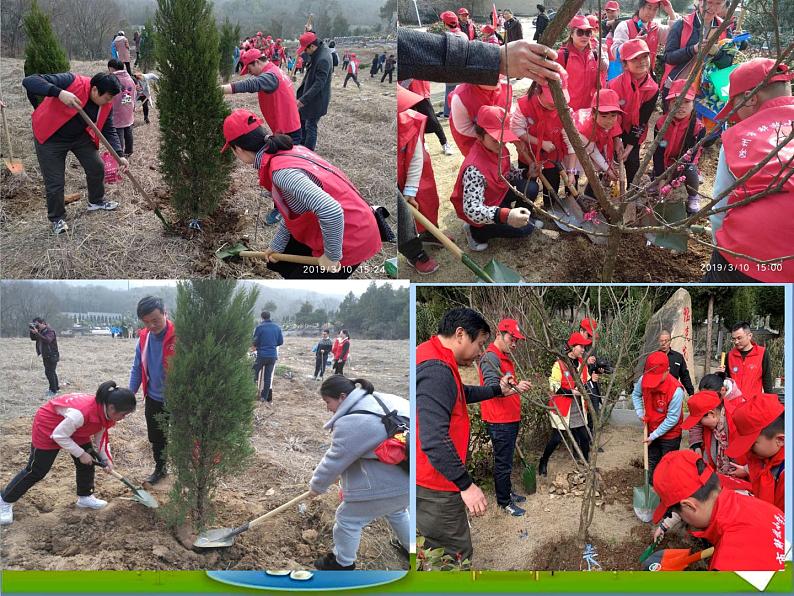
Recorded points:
(124, 102)
(123, 48)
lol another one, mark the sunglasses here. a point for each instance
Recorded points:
(584, 32)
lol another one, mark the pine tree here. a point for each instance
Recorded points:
(146, 48)
(210, 394)
(229, 38)
(43, 53)
(192, 108)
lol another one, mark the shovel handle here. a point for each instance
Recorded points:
(645, 446)
(277, 510)
(303, 260)
(8, 134)
(437, 234)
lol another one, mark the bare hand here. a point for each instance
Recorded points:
(474, 500)
(326, 263)
(739, 471)
(657, 532)
(70, 99)
(626, 152)
(300, 104)
(227, 89)
(412, 201)
(85, 458)
(547, 146)
(124, 165)
(313, 495)
(107, 467)
(520, 59)
(591, 360)
(523, 386)
(518, 217)
(270, 255)
(648, 441)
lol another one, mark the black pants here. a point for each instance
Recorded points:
(145, 108)
(408, 243)
(488, 231)
(156, 430)
(632, 164)
(503, 437)
(690, 172)
(581, 437)
(534, 185)
(385, 73)
(339, 366)
(349, 76)
(298, 271)
(125, 137)
(127, 66)
(441, 518)
(433, 125)
(720, 272)
(320, 360)
(50, 364)
(269, 365)
(39, 463)
(52, 161)
(657, 450)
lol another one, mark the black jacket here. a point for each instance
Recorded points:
(513, 30)
(679, 370)
(679, 57)
(541, 22)
(315, 90)
(46, 343)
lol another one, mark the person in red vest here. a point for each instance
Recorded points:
(545, 144)
(731, 397)
(59, 129)
(323, 213)
(658, 400)
(445, 491)
(275, 92)
(278, 54)
(352, 71)
(488, 35)
(637, 92)
(641, 25)
(568, 409)
(760, 438)
(415, 180)
(601, 133)
(764, 118)
(340, 351)
(466, 25)
(156, 346)
(464, 103)
(426, 107)
(746, 532)
(502, 416)
(480, 197)
(684, 132)
(581, 63)
(79, 424)
(747, 363)
(708, 409)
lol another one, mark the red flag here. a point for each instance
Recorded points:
(494, 17)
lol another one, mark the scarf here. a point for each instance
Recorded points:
(761, 474)
(633, 94)
(720, 434)
(676, 136)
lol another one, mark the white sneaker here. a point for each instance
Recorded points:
(6, 513)
(447, 149)
(103, 206)
(473, 244)
(90, 502)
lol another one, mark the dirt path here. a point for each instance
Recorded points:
(358, 135)
(49, 532)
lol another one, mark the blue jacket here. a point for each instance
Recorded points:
(267, 336)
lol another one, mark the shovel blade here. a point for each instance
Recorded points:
(645, 503)
(501, 273)
(230, 251)
(14, 166)
(217, 538)
(145, 498)
(671, 213)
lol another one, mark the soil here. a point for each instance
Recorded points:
(553, 256)
(357, 135)
(50, 533)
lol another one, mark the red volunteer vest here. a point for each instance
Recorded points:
(169, 347)
(652, 38)
(547, 127)
(563, 402)
(675, 135)
(336, 349)
(583, 72)
(410, 131)
(279, 108)
(604, 140)
(361, 236)
(420, 87)
(469, 30)
(747, 534)
(747, 371)
(52, 114)
(47, 418)
(473, 98)
(686, 33)
(745, 144)
(275, 55)
(730, 408)
(426, 475)
(656, 402)
(501, 409)
(487, 162)
(766, 486)
(632, 96)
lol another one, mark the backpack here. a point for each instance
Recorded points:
(395, 449)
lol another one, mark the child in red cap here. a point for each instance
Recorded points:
(600, 130)
(760, 436)
(747, 533)
(684, 132)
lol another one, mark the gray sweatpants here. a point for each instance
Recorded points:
(353, 516)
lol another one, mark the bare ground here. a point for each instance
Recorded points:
(50, 533)
(357, 135)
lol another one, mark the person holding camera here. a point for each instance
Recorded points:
(47, 347)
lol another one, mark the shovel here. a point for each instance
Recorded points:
(138, 494)
(115, 155)
(645, 498)
(14, 165)
(675, 559)
(222, 537)
(241, 250)
(528, 475)
(493, 272)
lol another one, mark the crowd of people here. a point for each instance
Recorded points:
(616, 73)
(727, 485)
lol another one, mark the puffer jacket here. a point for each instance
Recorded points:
(351, 455)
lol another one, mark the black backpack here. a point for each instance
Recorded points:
(395, 424)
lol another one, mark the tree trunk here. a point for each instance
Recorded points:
(613, 244)
(707, 363)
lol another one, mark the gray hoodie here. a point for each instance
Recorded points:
(351, 456)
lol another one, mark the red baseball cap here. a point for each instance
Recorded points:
(463, 11)
(406, 99)
(487, 29)
(306, 40)
(608, 101)
(490, 119)
(611, 5)
(750, 418)
(238, 123)
(656, 365)
(700, 403)
(511, 326)
(577, 339)
(580, 22)
(676, 478)
(749, 75)
(259, 33)
(678, 87)
(250, 56)
(449, 18)
(588, 324)
(546, 91)
(633, 48)
(593, 20)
